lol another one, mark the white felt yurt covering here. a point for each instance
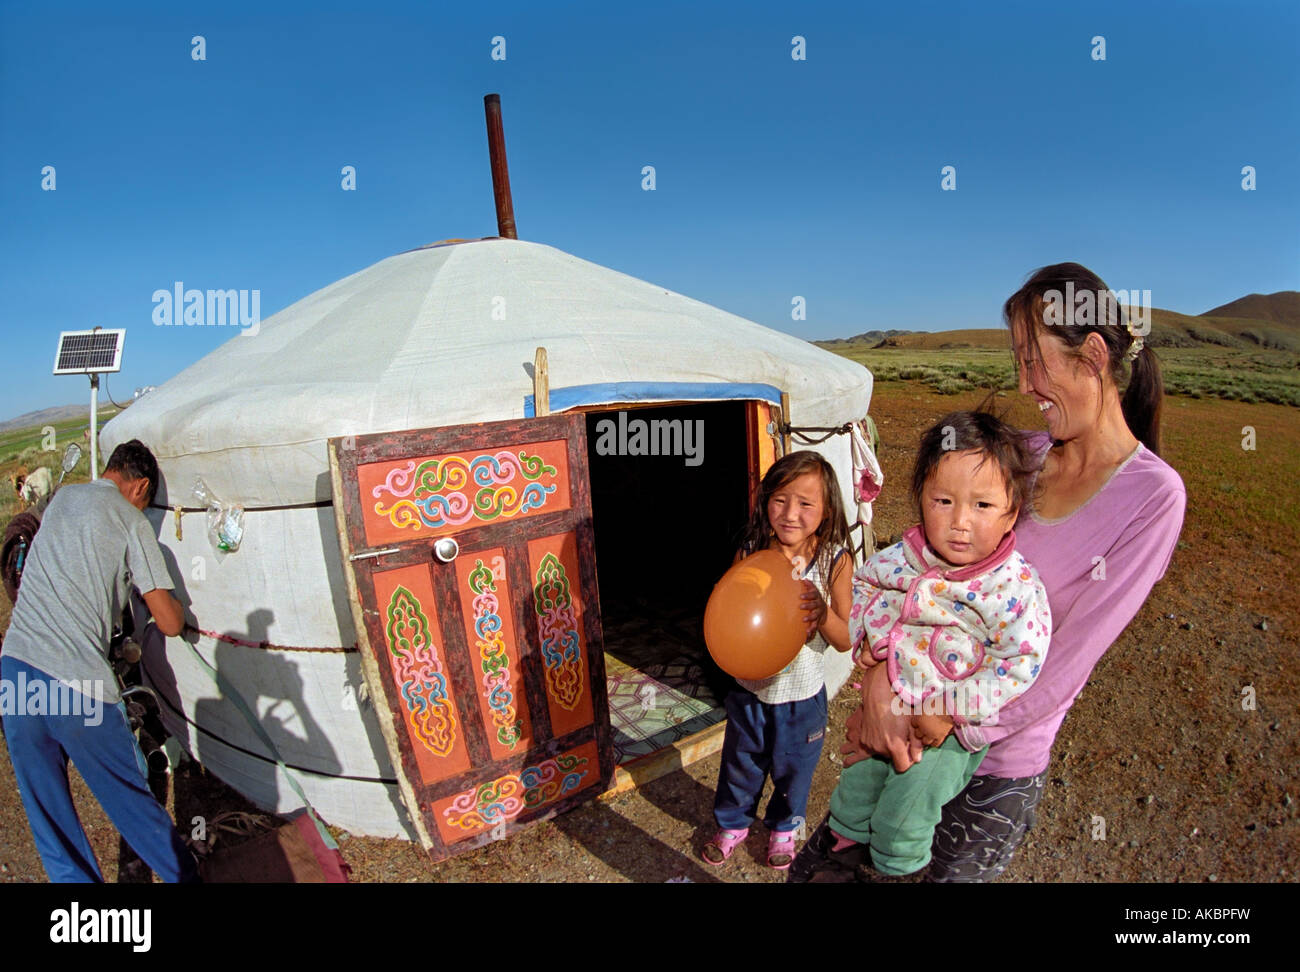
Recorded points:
(438, 336)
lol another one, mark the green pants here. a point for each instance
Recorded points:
(896, 813)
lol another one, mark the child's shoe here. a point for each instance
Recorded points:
(780, 849)
(819, 860)
(717, 850)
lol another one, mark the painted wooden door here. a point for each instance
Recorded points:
(486, 669)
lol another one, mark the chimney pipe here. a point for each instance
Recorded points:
(500, 173)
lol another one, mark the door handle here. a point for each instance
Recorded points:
(446, 550)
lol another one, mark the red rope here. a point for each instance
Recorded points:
(232, 640)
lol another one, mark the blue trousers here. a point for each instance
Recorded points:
(783, 740)
(109, 760)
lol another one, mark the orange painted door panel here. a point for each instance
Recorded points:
(486, 669)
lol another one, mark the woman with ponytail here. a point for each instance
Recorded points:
(1105, 516)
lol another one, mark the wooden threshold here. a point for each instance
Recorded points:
(661, 762)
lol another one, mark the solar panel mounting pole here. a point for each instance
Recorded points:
(94, 418)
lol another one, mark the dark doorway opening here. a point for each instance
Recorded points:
(667, 526)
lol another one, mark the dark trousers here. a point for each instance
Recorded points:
(982, 827)
(106, 754)
(782, 740)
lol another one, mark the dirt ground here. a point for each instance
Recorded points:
(1194, 782)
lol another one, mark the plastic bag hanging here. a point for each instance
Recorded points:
(225, 520)
(867, 476)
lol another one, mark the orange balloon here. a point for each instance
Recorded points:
(753, 623)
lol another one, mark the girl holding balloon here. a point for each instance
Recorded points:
(776, 725)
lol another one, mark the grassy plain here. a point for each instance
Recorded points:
(1245, 374)
(1193, 785)
(25, 448)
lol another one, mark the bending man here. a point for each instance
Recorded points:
(63, 703)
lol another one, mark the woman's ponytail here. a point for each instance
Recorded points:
(1144, 398)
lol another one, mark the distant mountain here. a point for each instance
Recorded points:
(59, 413)
(1282, 307)
(866, 337)
(1259, 320)
(46, 416)
(1171, 329)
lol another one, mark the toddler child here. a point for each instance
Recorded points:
(962, 622)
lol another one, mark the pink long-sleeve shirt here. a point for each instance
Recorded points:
(1132, 524)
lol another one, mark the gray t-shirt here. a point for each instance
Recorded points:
(92, 547)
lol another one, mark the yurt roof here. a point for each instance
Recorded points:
(445, 335)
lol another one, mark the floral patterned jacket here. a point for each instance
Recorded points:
(975, 636)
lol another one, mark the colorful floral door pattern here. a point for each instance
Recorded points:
(446, 494)
(485, 606)
(486, 670)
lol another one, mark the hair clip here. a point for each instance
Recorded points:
(1135, 348)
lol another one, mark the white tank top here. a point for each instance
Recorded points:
(806, 674)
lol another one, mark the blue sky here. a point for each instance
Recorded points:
(774, 177)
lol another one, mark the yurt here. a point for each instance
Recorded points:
(486, 489)
(426, 354)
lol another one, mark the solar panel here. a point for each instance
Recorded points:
(86, 352)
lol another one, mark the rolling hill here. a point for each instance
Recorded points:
(1255, 321)
(56, 415)
(1282, 307)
